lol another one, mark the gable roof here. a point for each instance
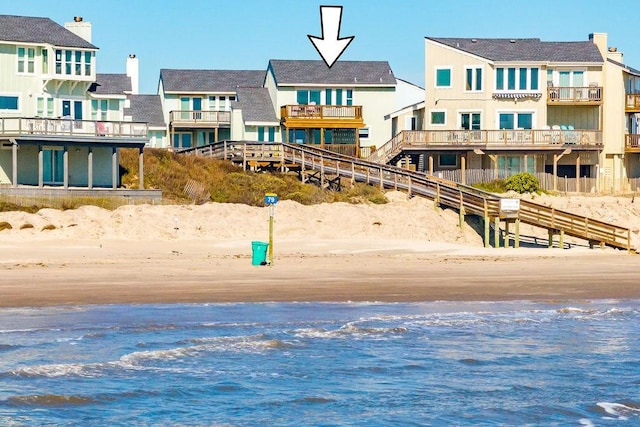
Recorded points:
(210, 80)
(626, 68)
(256, 105)
(27, 29)
(533, 50)
(146, 109)
(111, 84)
(352, 73)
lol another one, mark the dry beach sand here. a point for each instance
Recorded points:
(401, 251)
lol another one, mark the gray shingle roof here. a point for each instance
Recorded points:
(352, 73)
(28, 29)
(146, 109)
(534, 50)
(256, 105)
(210, 81)
(111, 84)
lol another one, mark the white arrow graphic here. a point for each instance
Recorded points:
(330, 46)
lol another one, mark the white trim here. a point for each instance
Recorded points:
(435, 76)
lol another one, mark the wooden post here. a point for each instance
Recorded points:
(487, 231)
(550, 238)
(461, 213)
(496, 232)
(578, 174)
(353, 173)
(561, 239)
(407, 160)
(14, 163)
(141, 168)
(244, 157)
(409, 193)
(381, 180)
(506, 233)
(395, 181)
(430, 164)
(224, 144)
(302, 162)
(321, 171)
(517, 231)
(463, 166)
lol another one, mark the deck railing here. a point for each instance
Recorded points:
(21, 126)
(198, 117)
(352, 112)
(533, 138)
(574, 94)
(633, 101)
(632, 141)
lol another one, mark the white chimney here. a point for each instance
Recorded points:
(133, 73)
(80, 28)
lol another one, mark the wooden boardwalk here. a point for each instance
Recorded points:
(328, 169)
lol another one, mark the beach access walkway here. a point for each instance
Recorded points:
(329, 169)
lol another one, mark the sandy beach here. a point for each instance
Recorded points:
(401, 251)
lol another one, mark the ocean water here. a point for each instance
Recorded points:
(320, 364)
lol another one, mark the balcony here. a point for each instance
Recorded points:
(633, 103)
(632, 143)
(199, 119)
(505, 139)
(35, 128)
(322, 116)
(591, 95)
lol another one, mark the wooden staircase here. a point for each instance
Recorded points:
(324, 167)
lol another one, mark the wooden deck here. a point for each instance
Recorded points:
(327, 166)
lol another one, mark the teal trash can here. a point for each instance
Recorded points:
(259, 253)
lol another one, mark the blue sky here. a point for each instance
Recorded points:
(245, 34)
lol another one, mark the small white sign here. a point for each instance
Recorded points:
(509, 205)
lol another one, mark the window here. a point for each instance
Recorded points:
(272, 134)
(443, 77)
(308, 97)
(45, 61)
(181, 140)
(58, 61)
(509, 120)
(349, 97)
(438, 118)
(78, 62)
(519, 78)
(363, 133)
(260, 133)
(41, 102)
(511, 78)
(99, 109)
(8, 102)
(516, 164)
(87, 63)
(473, 79)
(67, 61)
(338, 96)
(327, 97)
(448, 160)
(26, 60)
(470, 121)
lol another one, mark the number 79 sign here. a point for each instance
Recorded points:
(270, 199)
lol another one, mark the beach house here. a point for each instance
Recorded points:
(340, 108)
(558, 109)
(61, 123)
(198, 106)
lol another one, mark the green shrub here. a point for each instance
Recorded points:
(495, 186)
(523, 183)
